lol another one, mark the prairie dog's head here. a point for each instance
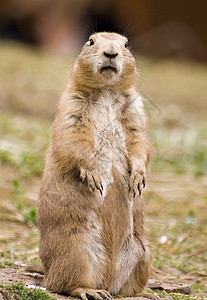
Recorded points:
(105, 60)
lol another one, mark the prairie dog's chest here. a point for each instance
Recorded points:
(109, 138)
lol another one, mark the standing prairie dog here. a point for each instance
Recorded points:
(92, 241)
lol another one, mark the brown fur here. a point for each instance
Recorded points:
(90, 212)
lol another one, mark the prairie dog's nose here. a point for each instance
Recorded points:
(110, 55)
(110, 52)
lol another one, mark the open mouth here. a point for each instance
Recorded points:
(108, 68)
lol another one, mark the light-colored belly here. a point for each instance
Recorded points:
(110, 151)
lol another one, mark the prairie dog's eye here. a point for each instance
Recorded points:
(126, 45)
(91, 42)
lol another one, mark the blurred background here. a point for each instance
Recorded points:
(159, 28)
(39, 40)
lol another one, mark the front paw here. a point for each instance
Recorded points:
(91, 179)
(137, 182)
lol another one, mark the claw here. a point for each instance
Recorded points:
(144, 182)
(139, 189)
(134, 194)
(94, 296)
(109, 295)
(100, 190)
(91, 187)
(105, 295)
(129, 188)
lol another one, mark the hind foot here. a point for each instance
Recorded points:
(148, 296)
(91, 294)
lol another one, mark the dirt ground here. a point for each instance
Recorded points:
(12, 275)
(35, 280)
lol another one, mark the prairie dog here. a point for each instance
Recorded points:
(90, 209)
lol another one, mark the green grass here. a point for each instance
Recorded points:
(30, 163)
(27, 162)
(180, 151)
(19, 292)
(6, 263)
(175, 295)
(28, 212)
(31, 216)
(6, 157)
(23, 143)
(17, 194)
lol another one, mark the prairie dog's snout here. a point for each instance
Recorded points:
(110, 51)
(110, 60)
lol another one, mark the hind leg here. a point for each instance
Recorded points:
(77, 276)
(86, 289)
(139, 276)
(138, 280)
(77, 280)
(74, 264)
